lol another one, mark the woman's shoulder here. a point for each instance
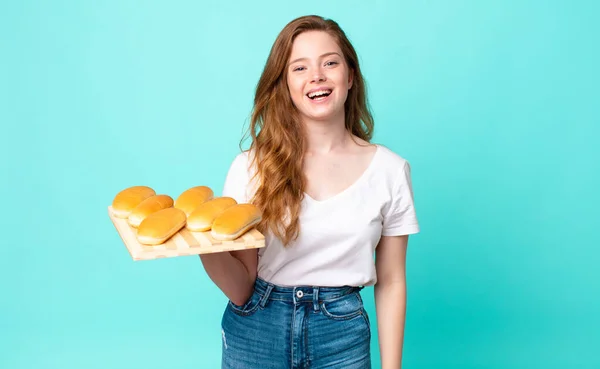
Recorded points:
(238, 182)
(241, 159)
(390, 159)
(242, 165)
(241, 155)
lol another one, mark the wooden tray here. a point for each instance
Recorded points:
(183, 243)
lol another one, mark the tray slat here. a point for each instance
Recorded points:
(183, 243)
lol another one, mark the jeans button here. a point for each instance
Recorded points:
(299, 294)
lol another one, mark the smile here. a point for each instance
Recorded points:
(319, 94)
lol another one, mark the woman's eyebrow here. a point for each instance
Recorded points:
(322, 56)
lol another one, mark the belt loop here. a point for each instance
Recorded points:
(265, 298)
(316, 298)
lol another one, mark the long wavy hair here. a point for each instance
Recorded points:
(278, 140)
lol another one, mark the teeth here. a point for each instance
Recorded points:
(319, 93)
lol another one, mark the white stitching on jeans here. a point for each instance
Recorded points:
(224, 340)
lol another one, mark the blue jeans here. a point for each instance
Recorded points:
(297, 327)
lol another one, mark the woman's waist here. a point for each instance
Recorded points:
(302, 292)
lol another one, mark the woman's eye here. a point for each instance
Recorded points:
(331, 63)
(298, 68)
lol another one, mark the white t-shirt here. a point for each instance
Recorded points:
(338, 236)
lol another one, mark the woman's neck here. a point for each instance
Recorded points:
(323, 137)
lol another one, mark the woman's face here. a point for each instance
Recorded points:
(317, 76)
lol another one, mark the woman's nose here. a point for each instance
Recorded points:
(318, 76)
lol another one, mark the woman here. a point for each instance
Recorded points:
(330, 199)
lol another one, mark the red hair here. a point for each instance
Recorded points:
(278, 141)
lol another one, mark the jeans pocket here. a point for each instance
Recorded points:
(346, 307)
(249, 306)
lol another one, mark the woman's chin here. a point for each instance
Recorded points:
(321, 114)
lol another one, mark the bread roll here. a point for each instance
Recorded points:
(202, 217)
(234, 221)
(147, 207)
(161, 225)
(126, 200)
(191, 198)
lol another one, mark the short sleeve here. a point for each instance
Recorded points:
(236, 181)
(400, 217)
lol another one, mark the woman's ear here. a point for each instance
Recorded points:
(350, 78)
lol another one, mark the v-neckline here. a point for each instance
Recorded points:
(352, 185)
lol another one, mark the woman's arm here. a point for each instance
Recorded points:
(233, 272)
(390, 298)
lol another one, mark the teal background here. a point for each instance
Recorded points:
(494, 103)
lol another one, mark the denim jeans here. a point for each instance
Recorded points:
(297, 327)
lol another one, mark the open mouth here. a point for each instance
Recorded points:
(319, 95)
